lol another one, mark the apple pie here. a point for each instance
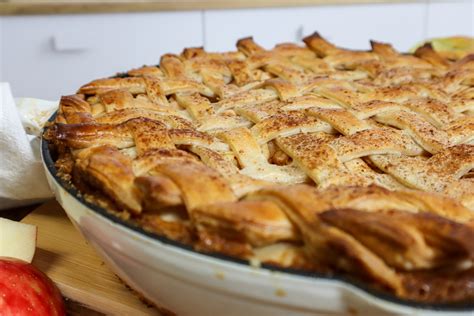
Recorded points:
(311, 158)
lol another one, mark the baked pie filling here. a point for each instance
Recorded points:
(315, 158)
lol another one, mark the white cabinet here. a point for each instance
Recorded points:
(352, 26)
(349, 26)
(448, 18)
(222, 28)
(49, 56)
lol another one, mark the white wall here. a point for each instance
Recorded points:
(48, 56)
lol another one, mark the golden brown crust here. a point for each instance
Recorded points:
(256, 223)
(105, 168)
(313, 157)
(406, 241)
(427, 53)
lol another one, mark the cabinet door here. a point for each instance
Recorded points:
(50, 56)
(222, 28)
(449, 18)
(350, 26)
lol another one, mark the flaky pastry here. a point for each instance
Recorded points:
(317, 158)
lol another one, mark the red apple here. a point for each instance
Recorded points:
(25, 290)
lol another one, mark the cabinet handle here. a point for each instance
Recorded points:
(299, 33)
(67, 43)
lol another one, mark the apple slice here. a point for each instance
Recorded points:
(17, 240)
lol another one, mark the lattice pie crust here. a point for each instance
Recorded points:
(315, 158)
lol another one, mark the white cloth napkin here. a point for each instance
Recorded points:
(22, 178)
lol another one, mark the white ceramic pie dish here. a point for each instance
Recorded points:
(186, 282)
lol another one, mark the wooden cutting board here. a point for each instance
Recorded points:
(64, 255)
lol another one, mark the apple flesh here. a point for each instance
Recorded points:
(25, 290)
(17, 240)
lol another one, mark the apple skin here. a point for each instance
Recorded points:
(25, 290)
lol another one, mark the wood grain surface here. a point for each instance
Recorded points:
(83, 278)
(22, 7)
